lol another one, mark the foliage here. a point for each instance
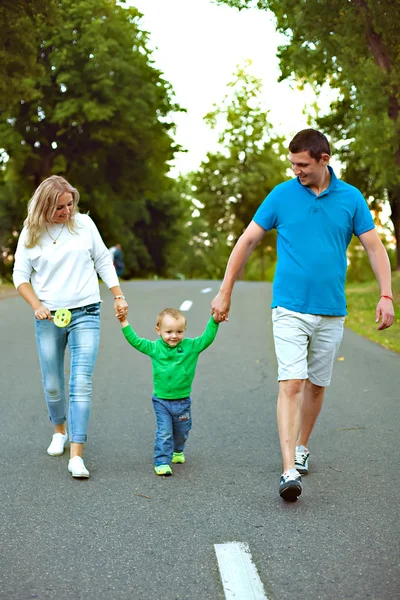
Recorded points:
(362, 299)
(20, 23)
(354, 45)
(192, 256)
(230, 184)
(97, 112)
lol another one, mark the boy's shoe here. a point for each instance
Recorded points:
(301, 459)
(290, 485)
(163, 470)
(77, 468)
(57, 445)
(178, 458)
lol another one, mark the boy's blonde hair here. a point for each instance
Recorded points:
(43, 204)
(172, 312)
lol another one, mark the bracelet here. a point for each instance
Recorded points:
(119, 297)
(388, 297)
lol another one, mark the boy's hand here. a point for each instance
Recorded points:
(121, 316)
(121, 312)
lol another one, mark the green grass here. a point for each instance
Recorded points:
(362, 299)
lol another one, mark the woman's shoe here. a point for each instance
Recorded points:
(77, 468)
(57, 445)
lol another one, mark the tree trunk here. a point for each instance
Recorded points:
(45, 165)
(383, 60)
(394, 199)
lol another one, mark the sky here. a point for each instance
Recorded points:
(198, 45)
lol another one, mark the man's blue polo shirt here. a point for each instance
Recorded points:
(313, 235)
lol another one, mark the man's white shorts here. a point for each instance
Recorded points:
(306, 345)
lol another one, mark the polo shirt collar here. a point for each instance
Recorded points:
(332, 184)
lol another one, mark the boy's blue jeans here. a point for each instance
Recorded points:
(174, 421)
(82, 336)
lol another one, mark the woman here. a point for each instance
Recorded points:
(59, 254)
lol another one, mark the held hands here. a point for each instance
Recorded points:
(220, 306)
(384, 313)
(121, 310)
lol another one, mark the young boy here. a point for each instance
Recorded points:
(174, 361)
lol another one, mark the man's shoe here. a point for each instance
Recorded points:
(163, 470)
(178, 458)
(290, 485)
(77, 468)
(57, 445)
(301, 459)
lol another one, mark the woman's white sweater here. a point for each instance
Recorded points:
(64, 274)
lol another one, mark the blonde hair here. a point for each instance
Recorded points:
(43, 205)
(172, 312)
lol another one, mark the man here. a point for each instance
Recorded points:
(112, 252)
(119, 260)
(315, 216)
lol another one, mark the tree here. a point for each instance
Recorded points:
(231, 183)
(97, 112)
(355, 46)
(20, 22)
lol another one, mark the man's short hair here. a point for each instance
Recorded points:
(312, 141)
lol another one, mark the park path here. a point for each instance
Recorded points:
(126, 534)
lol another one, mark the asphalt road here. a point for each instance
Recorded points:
(128, 534)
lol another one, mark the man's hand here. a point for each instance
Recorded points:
(384, 313)
(220, 306)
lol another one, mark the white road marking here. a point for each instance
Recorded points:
(238, 573)
(186, 305)
(206, 290)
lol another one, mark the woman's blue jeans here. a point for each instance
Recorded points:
(82, 336)
(174, 421)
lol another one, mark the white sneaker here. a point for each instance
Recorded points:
(58, 442)
(301, 459)
(77, 468)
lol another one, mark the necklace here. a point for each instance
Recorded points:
(55, 240)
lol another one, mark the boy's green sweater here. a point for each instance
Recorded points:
(173, 367)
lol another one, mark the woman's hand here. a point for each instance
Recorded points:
(43, 313)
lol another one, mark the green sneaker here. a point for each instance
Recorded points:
(178, 457)
(163, 470)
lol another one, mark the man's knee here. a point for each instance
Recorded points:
(314, 389)
(291, 387)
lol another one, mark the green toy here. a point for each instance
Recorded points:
(62, 317)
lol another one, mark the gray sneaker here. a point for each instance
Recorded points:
(301, 459)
